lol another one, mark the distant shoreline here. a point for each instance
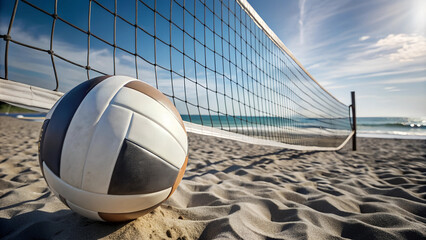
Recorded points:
(390, 136)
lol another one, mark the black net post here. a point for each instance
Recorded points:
(354, 121)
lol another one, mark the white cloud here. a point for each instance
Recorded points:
(337, 86)
(316, 65)
(402, 80)
(399, 58)
(301, 20)
(363, 38)
(392, 89)
(403, 47)
(311, 18)
(368, 97)
(326, 83)
(393, 81)
(389, 73)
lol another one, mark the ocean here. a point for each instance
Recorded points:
(392, 127)
(376, 127)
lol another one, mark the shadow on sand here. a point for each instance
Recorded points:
(63, 224)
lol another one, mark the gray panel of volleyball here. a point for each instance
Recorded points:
(217, 61)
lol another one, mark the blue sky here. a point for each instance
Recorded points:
(376, 48)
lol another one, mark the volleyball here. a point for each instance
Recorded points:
(113, 148)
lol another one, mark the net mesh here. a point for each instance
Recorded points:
(211, 59)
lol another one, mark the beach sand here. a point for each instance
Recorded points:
(237, 190)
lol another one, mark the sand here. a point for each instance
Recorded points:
(239, 191)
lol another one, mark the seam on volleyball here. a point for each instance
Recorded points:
(165, 161)
(121, 145)
(157, 123)
(68, 121)
(60, 181)
(153, 154)
(97, 120)
(71, 206)
(93, 141)
(168, 109)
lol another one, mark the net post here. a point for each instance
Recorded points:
(353, 120)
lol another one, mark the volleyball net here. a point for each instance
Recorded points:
(224, 69)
